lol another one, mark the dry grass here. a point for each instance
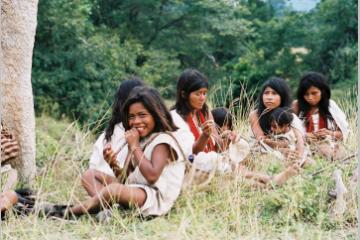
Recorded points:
(227, 209)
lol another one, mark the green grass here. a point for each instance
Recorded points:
(226, 209)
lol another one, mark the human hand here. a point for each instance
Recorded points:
(229, 135)
(132, 138)
(323, 133)
(311, 137)
(225, 134)
(207, 128)
(260, 138)
(233, 136)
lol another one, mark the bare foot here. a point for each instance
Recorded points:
(289, 172)
(7, 200)
(263, 178)
(256, 176)
(254, 183)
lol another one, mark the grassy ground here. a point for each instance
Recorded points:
(227, 209)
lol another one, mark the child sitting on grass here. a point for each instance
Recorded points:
(282, 137)
(233, 147)
(325, 123)
(275, 94)
(152, 165)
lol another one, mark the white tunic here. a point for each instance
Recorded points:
(339, 118)
(161, 195)
(97, 160)
(289, 137)
(185, 136)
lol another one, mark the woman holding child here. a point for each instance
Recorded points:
(276, 128)
(275, 93)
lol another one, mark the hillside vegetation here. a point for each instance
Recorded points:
(84, 48)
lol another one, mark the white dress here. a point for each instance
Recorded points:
(97, 160)
(161, 195)
(221, 162)
(210, 161)
(185, 136)
(339, 119)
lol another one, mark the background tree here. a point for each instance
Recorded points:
(84, 48)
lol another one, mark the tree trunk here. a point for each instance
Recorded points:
(18, 27)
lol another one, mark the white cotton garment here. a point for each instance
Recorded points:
(298, 124)
(97, 160)
(161, 195)
(185, 136)
(339, 118)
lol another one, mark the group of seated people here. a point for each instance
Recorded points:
(146, 154)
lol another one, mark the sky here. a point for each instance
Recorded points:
(303, 5)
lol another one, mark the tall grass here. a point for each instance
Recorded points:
(226, 209)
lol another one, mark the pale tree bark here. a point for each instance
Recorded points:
(18, 27)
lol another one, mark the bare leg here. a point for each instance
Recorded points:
(260, 177)
(10, 181)
(114, 192)
(331, 151)
(282, 177)
(7, 200)
(255, 183)
(93, 181)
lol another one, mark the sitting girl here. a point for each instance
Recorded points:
(275, 93)
(192, 112)
(151, 165)
(99, 172)
(324, 121)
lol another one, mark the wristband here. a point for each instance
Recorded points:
(135, 148)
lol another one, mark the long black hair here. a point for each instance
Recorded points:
(120, 96)
(189, 81)
(314, 79)
(153, 102)
(279, 86)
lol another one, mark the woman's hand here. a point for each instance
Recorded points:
(322, 133)
(207, 128)
(228, 135)
(311, 137)
(132, 138)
